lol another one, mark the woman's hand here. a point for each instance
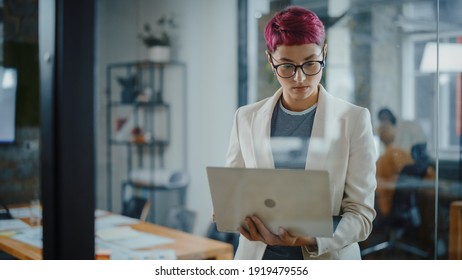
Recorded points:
(257, 231)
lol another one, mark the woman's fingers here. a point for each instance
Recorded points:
(257, 231)
(289, 240)
(268, 237)
(286, 238)
(251, 232)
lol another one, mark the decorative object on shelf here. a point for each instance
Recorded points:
(123, 128)
(129, 88)
(145, 96)
(159, 53)
(137, 135)
(170, 178)
(148, 138)
(158, 42)
(120, 122)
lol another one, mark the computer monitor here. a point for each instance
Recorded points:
(8, 85)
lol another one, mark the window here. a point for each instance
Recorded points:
(421, 86)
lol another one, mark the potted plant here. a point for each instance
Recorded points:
(158, 41)
(130, 88)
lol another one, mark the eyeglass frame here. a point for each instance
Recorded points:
(322, 62)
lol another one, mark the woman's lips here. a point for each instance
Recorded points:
(300, 88)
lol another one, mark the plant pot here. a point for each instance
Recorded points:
(129, 95)
(159, 54)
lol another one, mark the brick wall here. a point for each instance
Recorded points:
(19, 167)
(19, 162)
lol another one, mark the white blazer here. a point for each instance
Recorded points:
(342, 143)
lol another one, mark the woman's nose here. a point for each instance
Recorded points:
(299, 75)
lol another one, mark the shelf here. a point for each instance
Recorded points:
(153, 186)
(153, 143)
(145, 64)
(139, 104)
(127, 86)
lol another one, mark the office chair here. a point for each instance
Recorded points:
(136, 207)
(228, 237)
(405, 214)
(181, 219)
(419, 153)
(4, 212)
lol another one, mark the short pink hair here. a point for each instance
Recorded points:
(294, 26)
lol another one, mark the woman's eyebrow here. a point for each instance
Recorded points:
(285, 59)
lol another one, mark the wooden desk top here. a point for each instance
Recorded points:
(186, 246)
(20, 250)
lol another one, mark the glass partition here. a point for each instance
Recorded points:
(401, 60)
(20, 197)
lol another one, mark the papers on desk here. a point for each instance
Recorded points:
(31, 236)
(20, 212)
(12, 224)
(113, 233)
(121, 253)
(117, 233)
(100, 213)
(143, 240)
(114, 221)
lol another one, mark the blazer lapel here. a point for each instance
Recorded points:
(320, 139)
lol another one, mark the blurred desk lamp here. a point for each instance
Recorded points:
(450, 61)
(450, 58)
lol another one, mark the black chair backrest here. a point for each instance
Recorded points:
(228, 237)
(134, 207)
(413, 171)
(405, 202)
(5, 212)
(181, 219)
(419, 153)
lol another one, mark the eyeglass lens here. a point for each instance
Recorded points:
(309, 68)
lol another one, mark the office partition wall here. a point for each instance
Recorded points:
(67, 128)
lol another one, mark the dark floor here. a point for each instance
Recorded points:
(394, 252)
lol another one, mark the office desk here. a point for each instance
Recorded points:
(20, 250)
(185, 245)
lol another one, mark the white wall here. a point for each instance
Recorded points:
(206, 41)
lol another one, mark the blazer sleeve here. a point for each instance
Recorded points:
(360, 183)
(234, 156)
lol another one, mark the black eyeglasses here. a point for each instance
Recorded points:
(309, 68)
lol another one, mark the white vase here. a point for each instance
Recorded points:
(159, 54)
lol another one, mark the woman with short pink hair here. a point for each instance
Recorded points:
(331, 133)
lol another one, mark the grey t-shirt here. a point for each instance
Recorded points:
(290, 134)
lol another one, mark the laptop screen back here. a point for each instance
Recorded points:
(297, 200)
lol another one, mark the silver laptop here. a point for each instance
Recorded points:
(297, 200)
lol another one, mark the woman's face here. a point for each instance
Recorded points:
(300, 91)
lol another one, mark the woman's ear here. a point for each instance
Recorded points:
(268, 56)
(324, 51)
